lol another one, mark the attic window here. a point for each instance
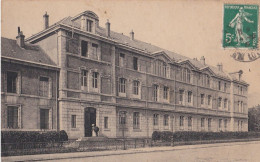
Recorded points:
(89, 25)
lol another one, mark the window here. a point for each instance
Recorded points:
(209, 100)
(135, 63)
(95, 51)
(106, 122)
(225, 87)
(189, 121)
(220, 124)
(84, 48)
(165, 92)
(122, 118)
(12, 117)
(44, 87)
(84, 78)
(166, 120)
(121, 59)
(155, 119)
(225, 103)
(225, 124)
(12, 82)
(238, 88)
(188, 76)
(164, 73)
(242, 107)
(189, 97)
(219, 102)
(89, 25)
(202, 96)
(155, 92)
(181, 96)
(238, 106)
(73, 121)
(72, 45)
(219, 85)
(202, 122)
(44, 118)
(136, 120)
(181, 121)
(208, 81)
(184, 74)
(241, 90)
(122, 85)
(209, 124)
(95, 80)
(136, 87)
(241, 126)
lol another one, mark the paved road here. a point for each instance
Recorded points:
(223, 153)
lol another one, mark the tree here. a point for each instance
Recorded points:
(254, 118)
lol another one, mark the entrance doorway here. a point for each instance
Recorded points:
(90, 118)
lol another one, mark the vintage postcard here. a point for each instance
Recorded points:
(118, 80)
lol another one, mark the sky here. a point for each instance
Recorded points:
(190, 28)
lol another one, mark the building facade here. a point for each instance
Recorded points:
(132, 88)
(28, 87)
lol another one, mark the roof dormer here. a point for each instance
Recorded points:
(88, 20)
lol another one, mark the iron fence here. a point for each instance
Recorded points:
(11, 149)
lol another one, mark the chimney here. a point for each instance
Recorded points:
(20, 38)
(45, 21)
(83, 23)
(220, 66)
(202, 60)
(132, 35)
(108, 28)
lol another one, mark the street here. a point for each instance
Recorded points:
(202, 153)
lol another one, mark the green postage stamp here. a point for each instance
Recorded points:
(240, 26)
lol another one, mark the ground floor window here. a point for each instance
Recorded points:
(209, 124)
(105, 122)
(44, 118)
(166, 120)
(181, 121)
(122, 118)
(136, 120)
(73, 121)
(12, 117)
(189, 122)
(225, 124)
(220, 124)
(155, 119)
(202, 122)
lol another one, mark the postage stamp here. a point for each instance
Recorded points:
(240, 26)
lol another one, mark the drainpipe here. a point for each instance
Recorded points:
(57, 89)
(146, 105)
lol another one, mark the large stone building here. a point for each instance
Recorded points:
(120, 83)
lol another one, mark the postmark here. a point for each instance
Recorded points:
(240, 26)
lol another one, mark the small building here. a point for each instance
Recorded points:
(29, 80)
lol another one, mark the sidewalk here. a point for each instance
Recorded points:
(43, 157)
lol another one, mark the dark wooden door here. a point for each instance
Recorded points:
(90, 118)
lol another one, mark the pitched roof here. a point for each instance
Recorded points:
(32, 53)
(147, 47)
